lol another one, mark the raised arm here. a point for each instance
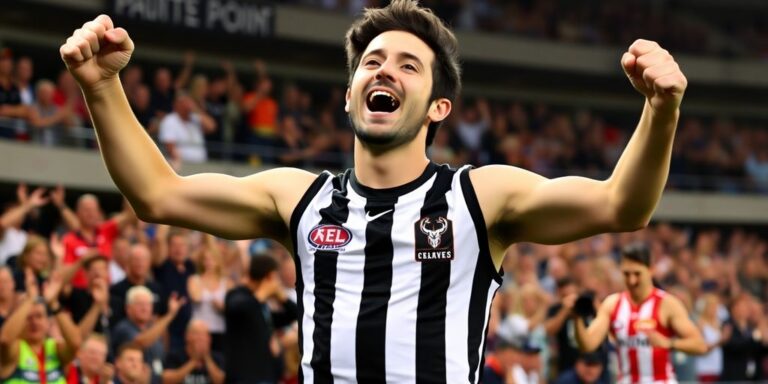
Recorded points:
(528, 207)
(591, 337)
(256, 206)
(26, 202)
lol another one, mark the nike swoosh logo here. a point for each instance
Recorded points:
(368, 216)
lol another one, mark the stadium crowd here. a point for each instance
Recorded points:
(678, 25)
(196, 116)
(118, 298)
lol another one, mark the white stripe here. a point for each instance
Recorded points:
(623, 316)
(400, 348)
(465, 249)
(349, 286)
(309, 219)
(645, 353)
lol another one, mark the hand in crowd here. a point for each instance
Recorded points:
(175, 303)
(100, 293)
(30, 283)
(52, 287)
(34, 200)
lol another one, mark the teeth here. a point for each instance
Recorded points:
(378, 93)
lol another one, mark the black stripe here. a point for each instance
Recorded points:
(372, 318)
(435, 279)
(298, 212)
(325, 285)
(485, 272)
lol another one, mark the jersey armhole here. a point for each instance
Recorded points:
(486, 261)
(298, 212)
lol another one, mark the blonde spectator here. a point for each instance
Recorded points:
(35, 256)
(207, 290)
(709, 366)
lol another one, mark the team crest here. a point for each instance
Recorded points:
(434, 239)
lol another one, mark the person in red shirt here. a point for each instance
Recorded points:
(94, 236)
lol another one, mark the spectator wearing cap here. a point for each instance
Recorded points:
(140, 329)
(94, 236)
(588, 369)
(10, 98)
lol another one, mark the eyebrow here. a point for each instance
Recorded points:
(407, 55)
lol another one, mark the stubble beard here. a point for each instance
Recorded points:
(401, 133)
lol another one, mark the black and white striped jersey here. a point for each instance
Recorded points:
(394, 285)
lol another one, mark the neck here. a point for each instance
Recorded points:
(641, 294)
(390, 168)
(137, 280)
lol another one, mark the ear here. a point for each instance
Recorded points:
(439, 110)
(346, 100)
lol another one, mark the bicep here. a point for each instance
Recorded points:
(679, 321)
(232, 207)
(528, 207)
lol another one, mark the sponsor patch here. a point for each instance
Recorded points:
(434, 239)
(329, 237)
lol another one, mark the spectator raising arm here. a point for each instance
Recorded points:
(58, 199)
(26, 202)
(148, 337)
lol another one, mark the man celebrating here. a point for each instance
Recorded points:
(646, 323)
(398, 258)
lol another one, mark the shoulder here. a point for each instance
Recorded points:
(610, 303)
(496, 197)
(671, 305)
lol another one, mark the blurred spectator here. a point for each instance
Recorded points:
(10, 98)
(140, 105)
(588, 369)
(710, 366)
(137, 274)
(163, 93)
(7, 293)
(207, 290)
(68, 94)
(140, 329)
(181, 132)
(130, 367)
(12, 237)
(560, 325)
(24, 75)
(94, 236)
(474, 121)
(90, 366)
(251, 324)
(262, 111)
(195, 362)
(27, 351)
(757, 169)
(36, 259)
(80, 302)
(744, 346)
(121, 253)
(132, 78)
(171, 269)
(50, 123)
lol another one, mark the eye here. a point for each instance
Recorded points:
(371, 62)
(409, 67)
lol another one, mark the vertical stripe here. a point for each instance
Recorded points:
(660, 355)
(634, 370)
(482, 290)
(435, 278)
(325, 280)
(377, 283)
(400, 354)
(645, 350)
(296, 216)
(623, 335)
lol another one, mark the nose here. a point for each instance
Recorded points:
(385, 72)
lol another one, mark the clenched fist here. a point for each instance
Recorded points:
(96, 52)
(655, 74)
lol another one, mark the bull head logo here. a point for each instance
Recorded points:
(434, 234)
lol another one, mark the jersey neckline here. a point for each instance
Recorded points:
(410, 186)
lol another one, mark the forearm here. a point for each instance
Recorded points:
(132, 159)
(153, 333)
(174, 376)
(690, 345)
(641, 173)
(14, 325)
(15, 216)
(216, 373)
(69, 217)
(554, 323)
(88, 322)
(69, 331)
(586, 340)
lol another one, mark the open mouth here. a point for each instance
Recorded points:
(382, 101)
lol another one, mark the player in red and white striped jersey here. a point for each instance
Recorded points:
(644, 322)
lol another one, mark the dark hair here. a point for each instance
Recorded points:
(637, 252)
(408, 16)
(88, 263)
(261, 266)
(131, 346)
(564, 282)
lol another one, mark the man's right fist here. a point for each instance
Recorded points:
(97, 51)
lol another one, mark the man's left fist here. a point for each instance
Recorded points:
(655, 74)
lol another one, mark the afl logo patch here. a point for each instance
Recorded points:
(329, 237)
